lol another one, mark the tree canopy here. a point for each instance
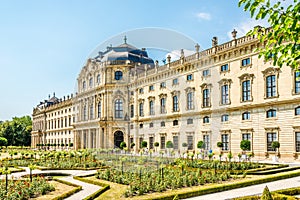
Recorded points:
(282, 41)
(17, 131)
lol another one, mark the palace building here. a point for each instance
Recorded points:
(222, 94)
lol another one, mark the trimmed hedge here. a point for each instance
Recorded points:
(277, 195)
(224, 187)
(67, 194)
(72, 168)
(274, 171)
(96, 194)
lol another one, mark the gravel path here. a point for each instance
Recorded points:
(251, 190)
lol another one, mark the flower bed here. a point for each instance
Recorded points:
(23, 189)
(145, 181)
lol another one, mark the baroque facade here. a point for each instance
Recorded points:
(225, 93)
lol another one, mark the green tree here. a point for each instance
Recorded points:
(123, 145)
(245, 145)
(3, 141)
(200, 145)
(282, 41)
(17, 131)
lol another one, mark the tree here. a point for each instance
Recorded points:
(282, 41)
(18, 131)
(156, 144)
(245, 145)
(3, 141)
(132, 145)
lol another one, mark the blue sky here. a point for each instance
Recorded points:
(44, 44)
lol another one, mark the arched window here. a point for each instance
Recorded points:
(119, 108)
(246, 116)
(297, 110)
(118, 75)
(99, 109)
(175, 122)
(271, 113)
(205, 119)
(224, 118)
(162, 124)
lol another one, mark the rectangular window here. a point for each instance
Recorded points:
(151, 88)
(151, 142)
(131, 111)
(190, 142)
(271, 86)
(246, 62)
(175, 142)
(224, 68)
(205, 72)
(246, 136)
(163, 85)
(190, 100)
(175, 104)
(270, 138)
(206, 142)
(297, 137)
(297, 82)
(189, 77)
(246, 94)
(206, 99)
(163, 105)
(225, 141)
(271, 113)
(162, 142)
(141, 109)
(190, 121)
(175, 81)
(225, 94)
(151, 107)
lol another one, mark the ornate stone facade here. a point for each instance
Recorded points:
(225, 93)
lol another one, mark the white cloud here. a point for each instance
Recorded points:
(244, 27)
(203, 15)
(175, 54)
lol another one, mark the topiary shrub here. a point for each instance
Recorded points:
(266, 194)
(123, 145)
(169, 145)
(200, 144)
(245, 145)
(144, 144)
(220, 144)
